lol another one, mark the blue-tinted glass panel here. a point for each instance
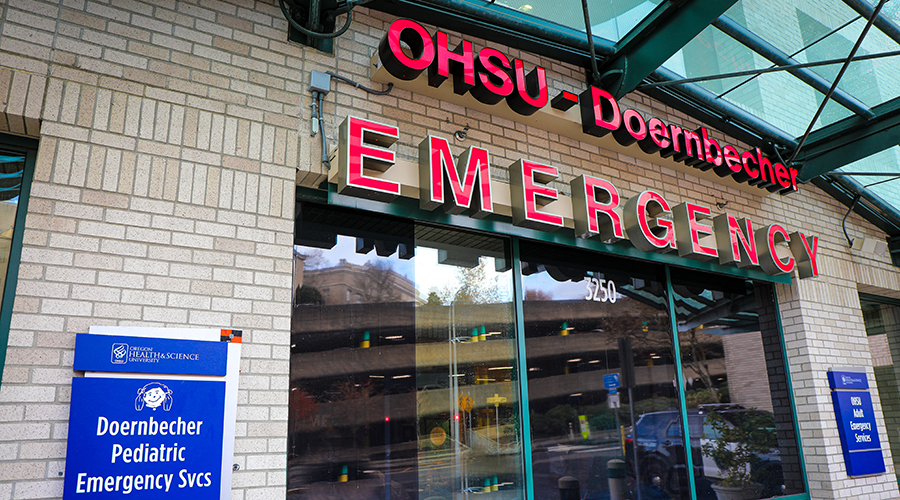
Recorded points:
(578, 309)
(740, 421)
(818, 31)
(610, 19)
(778, 98)
(886, 188)
(403, 350)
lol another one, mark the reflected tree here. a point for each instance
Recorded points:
(377, 282)
(473, 286)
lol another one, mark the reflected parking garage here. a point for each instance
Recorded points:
(408, 372)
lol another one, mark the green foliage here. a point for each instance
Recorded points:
(308, 295)
(654, 404)
(739, 438)
(555, 422)
(696, 397)
(433, 299)
(603, 421)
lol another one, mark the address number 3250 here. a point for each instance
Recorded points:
(601, 290)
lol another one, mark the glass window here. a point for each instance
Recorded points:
(589, 321)
(882, 320)
(405, 378)
(403, 383)
(12, 168)
(16, 168)
(734, 378)
(610, 19)
(778, 98)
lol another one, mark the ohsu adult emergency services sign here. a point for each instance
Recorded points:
(153, 417)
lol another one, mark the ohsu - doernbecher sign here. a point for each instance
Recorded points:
(647, 219)
(490, 77)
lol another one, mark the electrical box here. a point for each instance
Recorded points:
(319, 82)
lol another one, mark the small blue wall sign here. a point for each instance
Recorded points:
(144, 439)
(856, 423)
(110, 353)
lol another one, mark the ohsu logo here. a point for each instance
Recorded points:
(119, 354)
(849, 380)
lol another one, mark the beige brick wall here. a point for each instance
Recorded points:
(163, 196)
(171, 137)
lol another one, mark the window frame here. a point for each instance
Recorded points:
(28, 148)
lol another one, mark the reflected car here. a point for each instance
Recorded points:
(657, 436)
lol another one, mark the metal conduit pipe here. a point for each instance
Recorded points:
(807, 76)
(889, 213)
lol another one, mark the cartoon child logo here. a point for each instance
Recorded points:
(153, 395)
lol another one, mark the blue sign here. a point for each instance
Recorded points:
(847, 380)
(856, 420)
(856, 423)
(109, 353)
(611, 381)
(145, 439)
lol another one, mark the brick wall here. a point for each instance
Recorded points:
(163, 196)
(172, 134)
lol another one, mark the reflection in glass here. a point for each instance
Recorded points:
(740, 421)
(580, 311)
(402, 356)
(11, 169)
(882, 320)
(468, 408)
(768, 96)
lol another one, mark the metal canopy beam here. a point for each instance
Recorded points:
(760, 46)
(886, 26)
(851, 139)
(652, 42)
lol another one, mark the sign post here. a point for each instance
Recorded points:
(154, 415)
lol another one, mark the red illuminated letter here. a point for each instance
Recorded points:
(390, 50)
(592, 216)
(359, 154)
(688, 231)
(805, 251)
(634, 129)
(529, 194)
(599, 112)
(436, 166)
(749, 172)
(657, 136)
(708, 146)
(731, 162)
(766, 243)
(646, 231)
(521, 101)
(734, 240)
(459, 62)
(495, 82)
